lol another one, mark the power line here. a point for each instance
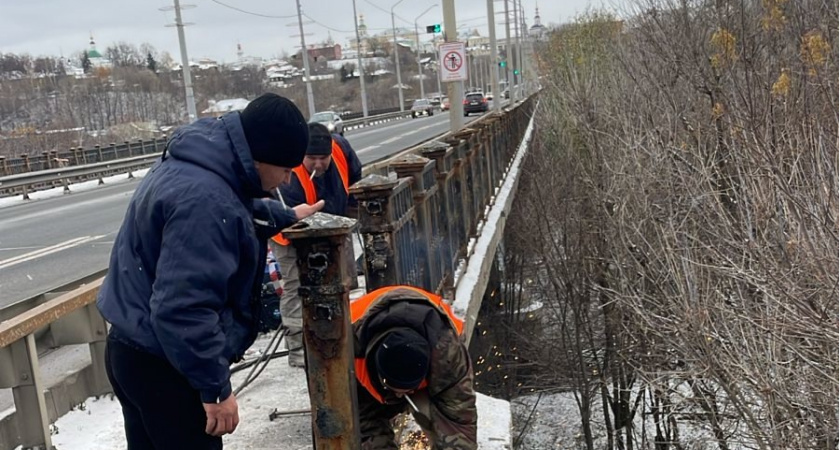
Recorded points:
(327, 26)
(388, 12)
(335, 29)
(252, 13)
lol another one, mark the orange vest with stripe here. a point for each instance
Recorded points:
(302, 175)
(360, 307)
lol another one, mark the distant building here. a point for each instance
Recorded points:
(96, 58)
(538, 30)
(323, 53)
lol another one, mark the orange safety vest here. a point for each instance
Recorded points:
(309, 187)
(359, 307)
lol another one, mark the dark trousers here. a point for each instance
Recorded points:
(161, 410)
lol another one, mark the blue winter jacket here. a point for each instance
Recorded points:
(187, 263)
(329, 186)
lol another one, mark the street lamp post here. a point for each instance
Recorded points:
(397, 57)
(493, 64)
(359, 62)
(417, 39)
(310, 99)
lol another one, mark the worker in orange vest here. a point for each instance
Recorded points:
(410, 354)
(329, 168)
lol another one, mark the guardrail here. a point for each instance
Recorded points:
(25, 182)
(52, 169)
(415, 226)
(80, 156)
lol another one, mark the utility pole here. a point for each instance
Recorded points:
(417, 39)
(397, 57)
(359, 62)
(310, 99)
(419, 66)
(455, 89)
(494, 57)
(437, 52)
(520, 43)
(508, 51)
(185, 60)
(517, 60)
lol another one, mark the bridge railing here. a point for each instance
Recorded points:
(418, 213)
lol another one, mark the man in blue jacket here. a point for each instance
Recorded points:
(329, 168)
(182, 290)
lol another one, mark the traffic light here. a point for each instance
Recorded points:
(502, 64)
(516, 71)
(433, 28)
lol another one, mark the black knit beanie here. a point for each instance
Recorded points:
(275, 130)
(320, 140)
(402, 359)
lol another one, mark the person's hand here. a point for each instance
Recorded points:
(303, 210)
(222, 418)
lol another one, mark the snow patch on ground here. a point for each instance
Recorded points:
(99, 424)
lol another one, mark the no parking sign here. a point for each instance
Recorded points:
(452, 61)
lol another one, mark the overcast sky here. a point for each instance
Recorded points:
(63, 27)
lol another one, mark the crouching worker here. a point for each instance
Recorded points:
(410, 355)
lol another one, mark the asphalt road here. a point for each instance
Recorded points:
(51, 242)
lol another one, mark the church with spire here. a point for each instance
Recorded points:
(96, 58)
(538, 30)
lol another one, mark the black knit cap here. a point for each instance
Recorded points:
(275, 130)
(402, 359)
(320, 140)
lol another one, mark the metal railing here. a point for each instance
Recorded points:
(55, 159)
(52, 169)
(416, 223)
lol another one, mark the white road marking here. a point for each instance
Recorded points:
(367, 149)
(6, 263)
(393, 139)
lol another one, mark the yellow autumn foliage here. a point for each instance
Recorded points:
(814, 51)
(775, 16)
(723, 42)
(781, 87)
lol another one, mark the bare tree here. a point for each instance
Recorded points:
(687, 219)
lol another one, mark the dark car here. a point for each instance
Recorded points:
(422, 106)
(474, 103)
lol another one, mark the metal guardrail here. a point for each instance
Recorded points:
(25, 182)
(105, 161)
(415, 226)
(80, 156)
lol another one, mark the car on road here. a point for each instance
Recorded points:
(444, 106)
(474, 103)
(329, 119)
(422, 106)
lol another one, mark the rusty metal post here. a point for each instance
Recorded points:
(443, 155)
(385, 207)
(427, 240)
(321, 244)
(26, 166)
(99, 153)
(4, 165)
(459, 197)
